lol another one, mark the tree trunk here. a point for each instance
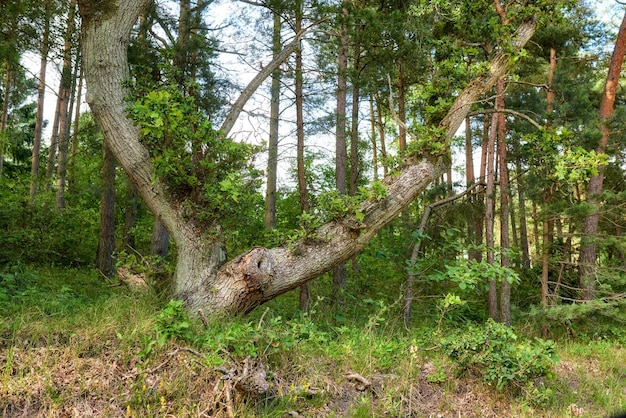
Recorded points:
(305, 291)
(381, 134)
(341, 157)
(505, 261)
(272, 157)
(64, 116)
(106, 241)
(523, 226)
(41, 94)
(492, 295)
(373, 139)
(4, 118)
(202, 278)
(130, 216)
(71, 180)
(401, 108)
(160, 242)
(587, 262)
(54, 142)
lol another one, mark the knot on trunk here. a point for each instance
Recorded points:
(246, 278)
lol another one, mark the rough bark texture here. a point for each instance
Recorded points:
(587, 262)
(272, 157)
(106, 240)
(341, 154)
(202, 278)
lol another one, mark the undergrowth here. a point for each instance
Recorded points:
(72, 344)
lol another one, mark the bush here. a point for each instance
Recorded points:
(496, 354)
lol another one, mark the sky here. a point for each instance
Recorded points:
(249, 127)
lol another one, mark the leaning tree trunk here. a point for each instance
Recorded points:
(202, 278)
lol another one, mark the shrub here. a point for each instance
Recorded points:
(496, 354)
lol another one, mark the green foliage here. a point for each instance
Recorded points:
(209, 174)
(497, 354)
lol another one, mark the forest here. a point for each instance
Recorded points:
(298, 208)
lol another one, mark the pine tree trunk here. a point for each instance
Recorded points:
(130, 216)
(401, 108)
(492, 295)
(373, 139)
(587, 261)
(341, 157)
(505, 261)
(41, 94)
(4, 118)
(272, 157)
(106, 241)
(305, 291)
(65, 91)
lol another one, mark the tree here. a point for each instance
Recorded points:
(203, 278)
(65, 92)
(587, 262)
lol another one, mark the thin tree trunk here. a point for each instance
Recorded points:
(523, 226)
(71, 175)
(373, 139)
(339, 272)
(4, 119)
(130, 216)
(41, 94)
(106, 241)
(401, 108)
(492, 296)
(505, 261)
(54, 143)
(381, 134)
(587, 262)
(305, 291)
(64, 117)
(272, 158)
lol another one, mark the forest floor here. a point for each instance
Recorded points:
(72, 345)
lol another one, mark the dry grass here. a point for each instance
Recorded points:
(87, 362)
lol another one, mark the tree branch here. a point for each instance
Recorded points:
(256, 82)
(509, 111)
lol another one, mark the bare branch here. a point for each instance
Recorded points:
(265, 72)
(510, 112)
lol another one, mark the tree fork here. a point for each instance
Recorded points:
(202, 279)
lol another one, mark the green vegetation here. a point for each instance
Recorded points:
(73, 344)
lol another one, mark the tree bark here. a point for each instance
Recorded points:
(4, 118)
(587, 262)
(106, 241)
(492, 295)
(41, 94)
(64, 116)
(305, 291)
(272, 157)
(202, 278)
(505, 261)
(341, 155)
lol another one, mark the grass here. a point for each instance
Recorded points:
(72, 345)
